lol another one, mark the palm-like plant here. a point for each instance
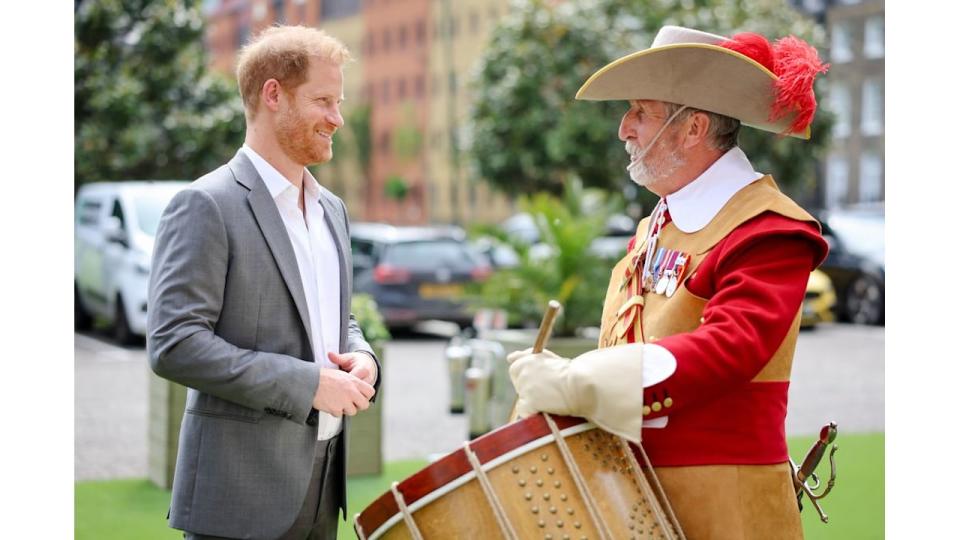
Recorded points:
(562, 267)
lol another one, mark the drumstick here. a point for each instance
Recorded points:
(546, 327)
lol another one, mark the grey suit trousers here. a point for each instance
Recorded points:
(317, 518)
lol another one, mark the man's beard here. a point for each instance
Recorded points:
(659, 163)
(298, 139)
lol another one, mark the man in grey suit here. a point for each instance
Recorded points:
(249, 307)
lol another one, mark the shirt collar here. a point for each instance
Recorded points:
(276, 182)
(696, 204)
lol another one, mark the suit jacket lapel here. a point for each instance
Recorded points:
(336, 221)
(271, 225)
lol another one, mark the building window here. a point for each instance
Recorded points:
(474, 21)
(421, 31)
(418, 87)
(243, 34)
(385, 91)
(402, 37)
(840, 105)
(335, 9)
(871, 177)
(837, 180)
(386, 43)
(452, 82)
(383, 143)
(279, 16)
(841, 42)
(873, 37)
(871, 119)
(401, 88)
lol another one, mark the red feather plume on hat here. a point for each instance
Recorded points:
(795, 63)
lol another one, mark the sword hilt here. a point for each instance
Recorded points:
(806, 470)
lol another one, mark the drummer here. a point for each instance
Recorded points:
(701, 316)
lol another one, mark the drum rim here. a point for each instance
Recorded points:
(454, 465)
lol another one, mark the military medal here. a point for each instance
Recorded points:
(666, 272)
(676, 273)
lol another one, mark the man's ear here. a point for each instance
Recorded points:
(270, 94)
(698, 125)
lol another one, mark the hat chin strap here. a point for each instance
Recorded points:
(635, 161)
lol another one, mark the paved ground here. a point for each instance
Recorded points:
(837, 375)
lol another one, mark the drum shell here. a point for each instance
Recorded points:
(533, 487)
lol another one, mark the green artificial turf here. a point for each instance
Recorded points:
(124, 509)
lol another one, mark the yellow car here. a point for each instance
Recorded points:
(819, 301)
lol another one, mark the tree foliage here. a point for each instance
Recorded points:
(529, 134)
(145, 104)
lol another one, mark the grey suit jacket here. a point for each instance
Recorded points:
(228, 318)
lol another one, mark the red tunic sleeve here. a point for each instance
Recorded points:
(754, 281)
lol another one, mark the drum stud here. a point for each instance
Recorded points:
(576, 524)
(541, 524)
(515, 469)
(566, 537)
(556, 484)
(533, 470)
(569, 511)
(528, 495)
(553, 509)
(548, 536)
(522, 482)
(546, 496)
(559, 524)
(539, 482)
(543, 457)
(550, 470)
(632, 526)
(535, 509)
(563, 496)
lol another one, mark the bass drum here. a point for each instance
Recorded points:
(550, 477)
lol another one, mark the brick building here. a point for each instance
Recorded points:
(413, 60)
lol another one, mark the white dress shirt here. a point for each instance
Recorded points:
(318, 263)
(691, 209)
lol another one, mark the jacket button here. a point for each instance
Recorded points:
(668, 402)
(656, 406)
(646, 410)
(312, 419)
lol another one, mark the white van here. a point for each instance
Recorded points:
(114, 227)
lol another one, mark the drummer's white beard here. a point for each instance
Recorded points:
(654, 167)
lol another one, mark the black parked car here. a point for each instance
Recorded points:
(856, 262)
(415, 273)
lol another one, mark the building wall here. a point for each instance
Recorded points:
(855, 163)
(395, 72)
(462, 30)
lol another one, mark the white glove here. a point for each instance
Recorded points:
(604, 386)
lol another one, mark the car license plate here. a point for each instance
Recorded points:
(441, 290)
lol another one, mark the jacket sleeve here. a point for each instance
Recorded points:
(754, 283)
(187, 281)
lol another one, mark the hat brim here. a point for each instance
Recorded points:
(703, 76)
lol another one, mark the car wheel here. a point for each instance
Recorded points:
(864, 301)
(82, 320)
(121, 328)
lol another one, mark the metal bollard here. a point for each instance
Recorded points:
(476, 397)
(458, 358)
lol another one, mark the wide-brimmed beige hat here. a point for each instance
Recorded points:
(766, 86)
